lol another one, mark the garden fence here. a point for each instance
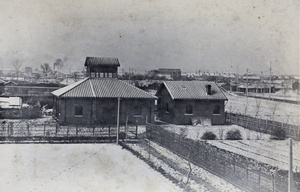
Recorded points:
(43, 132)
(244, 172)
(263, 125)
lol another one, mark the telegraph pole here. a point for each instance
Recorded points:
(291, 179)
(247, 84)
(270, 79)
(118, 121)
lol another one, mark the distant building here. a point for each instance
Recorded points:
(174, 73)
(10, 107)
(184, 102)
(95, 98)
(28, 71)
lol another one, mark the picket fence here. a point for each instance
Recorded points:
(246, 173)
(263, 125)
(54, 132)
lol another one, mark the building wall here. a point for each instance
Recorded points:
(177, 110)
(103, 111)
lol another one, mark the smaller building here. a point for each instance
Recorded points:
(187, 102)
(10, 107)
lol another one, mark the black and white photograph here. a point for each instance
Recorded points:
(149, 96)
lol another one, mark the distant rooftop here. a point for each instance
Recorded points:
(90, 61)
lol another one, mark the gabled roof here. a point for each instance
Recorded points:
(102, 88)
(90, 61)
(193, 90)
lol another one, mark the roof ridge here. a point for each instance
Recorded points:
(172, 96)
(93, 91)
(72, 86)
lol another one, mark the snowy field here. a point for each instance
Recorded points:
(76, 167)
(264, 109)
(254, 145)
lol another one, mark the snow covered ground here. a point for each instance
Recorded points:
(264, 109)
(254, 145)
(76, 167)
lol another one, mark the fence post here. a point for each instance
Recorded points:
(8, 128)
(247, 172)
(28, 132)
(44, 129)
(136, 129)
(236, 118)
(109, 132)
(266, 126)
(259, 175)
(56, 129)
(68, 129)
(76, 130)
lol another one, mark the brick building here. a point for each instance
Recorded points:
(95, 99)
(184, 102)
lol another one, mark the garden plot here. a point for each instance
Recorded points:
(170, 163)
(76, 167)
(253, 145)
(272, 152)
(264, 109)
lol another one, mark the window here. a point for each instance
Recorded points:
(137, 110)
(189, 109)
(217, 110)
(78, 111)
(93, 74)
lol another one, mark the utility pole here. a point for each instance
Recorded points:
(118, 121)
(291, 179)
(261, 82)
(270, 79)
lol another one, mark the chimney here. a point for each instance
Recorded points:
(208, 89)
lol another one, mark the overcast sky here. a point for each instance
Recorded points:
(214, 35)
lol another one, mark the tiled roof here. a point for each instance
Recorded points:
(101, 61)
(193, 90)
(102, 88)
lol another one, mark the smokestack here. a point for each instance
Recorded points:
(208, 89)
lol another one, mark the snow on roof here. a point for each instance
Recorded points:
(102, 88)
(193, 90)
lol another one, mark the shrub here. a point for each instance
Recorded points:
(234, 135)
(278, 134)
(208, 135)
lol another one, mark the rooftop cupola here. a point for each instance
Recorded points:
(102, 67)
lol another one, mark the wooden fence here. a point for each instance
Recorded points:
(263, 125)
(246, 173)
(12, 132)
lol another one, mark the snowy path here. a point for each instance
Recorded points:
(76, 167)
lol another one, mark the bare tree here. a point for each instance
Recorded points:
(246, 107)
(183, 136)
(274, 108)
(17, 65)
(257, 107)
